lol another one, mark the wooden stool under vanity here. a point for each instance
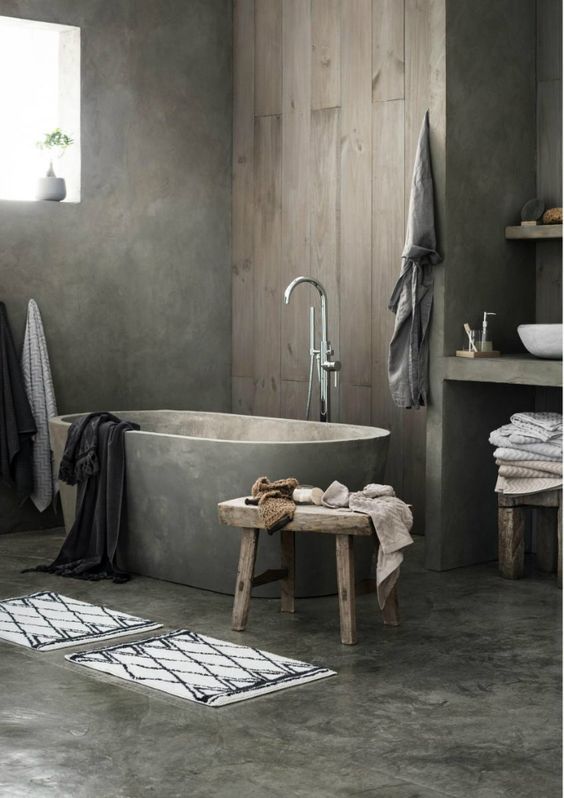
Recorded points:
(345, 525)
(511, 532)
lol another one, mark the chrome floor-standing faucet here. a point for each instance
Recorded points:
(320, 356)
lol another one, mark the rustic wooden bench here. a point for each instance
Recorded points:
(511, 532)
(345, 525)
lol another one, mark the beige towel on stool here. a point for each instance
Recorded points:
(529, 468)
(521, 486)
(392, 521)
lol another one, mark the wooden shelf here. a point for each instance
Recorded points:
(512, 369)
(534, 231)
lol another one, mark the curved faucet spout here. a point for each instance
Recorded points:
(322, 293)
(311, 281)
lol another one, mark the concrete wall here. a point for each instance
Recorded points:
(490, 166)
(487, 155)
(549, 154)
(549, 173)
(134, 282)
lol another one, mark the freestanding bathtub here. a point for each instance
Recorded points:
(182, 463)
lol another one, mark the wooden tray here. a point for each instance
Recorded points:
(465, 353)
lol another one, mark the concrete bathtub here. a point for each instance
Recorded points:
(182, 463)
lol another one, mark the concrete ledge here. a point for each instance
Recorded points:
(513, 369)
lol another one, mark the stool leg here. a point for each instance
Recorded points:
(545, 539)
(559, 529)
(287, 551)
(390, 611)
(345, 581)
(244, 584)
(511, 541)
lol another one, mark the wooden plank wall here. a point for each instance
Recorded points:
(328, 101)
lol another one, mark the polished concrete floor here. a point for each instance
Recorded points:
(462, 700)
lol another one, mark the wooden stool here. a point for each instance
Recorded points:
(511, 532)
(345, 525)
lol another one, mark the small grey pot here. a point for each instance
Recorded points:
(51, 188)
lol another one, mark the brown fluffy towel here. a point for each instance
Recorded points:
(276, 506)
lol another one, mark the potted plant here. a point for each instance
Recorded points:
(52, 187)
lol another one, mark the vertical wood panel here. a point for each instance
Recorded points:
(324, 210)
(388, 230)
(243, 395)
(387, 49)
(268, 211)
(296, 103)
(294, 396)
(243, 189)
(268, 57)
(356, 192)
(355, 400)
(326, 53)
(294, 399)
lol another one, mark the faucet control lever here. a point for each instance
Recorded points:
(335, 367)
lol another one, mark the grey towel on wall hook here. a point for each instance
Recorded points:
(412, 298)
(36, 371)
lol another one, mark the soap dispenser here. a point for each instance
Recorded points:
(486, 344)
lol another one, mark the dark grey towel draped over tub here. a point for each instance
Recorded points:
(412, 298)
(17, 426)
(94, 460)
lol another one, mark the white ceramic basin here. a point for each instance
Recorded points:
(542, 340)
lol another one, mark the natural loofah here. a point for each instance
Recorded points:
(552, 216)
(276, 506)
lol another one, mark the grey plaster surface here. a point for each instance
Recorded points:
(463, 699)
(484, 156)
(134, 282)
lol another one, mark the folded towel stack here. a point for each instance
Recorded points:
(529, 453)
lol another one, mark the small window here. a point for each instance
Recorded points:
(39, 94)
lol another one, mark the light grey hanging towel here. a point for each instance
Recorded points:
(41, 396)
(412, 298)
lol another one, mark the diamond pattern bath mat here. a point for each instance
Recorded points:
(202, 669)
(44, 621)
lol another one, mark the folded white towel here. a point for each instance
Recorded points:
(505, 453)
(542, 426)
(551, 450)
(519, 436)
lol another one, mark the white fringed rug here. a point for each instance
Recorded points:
(198, 668)
(45, 621)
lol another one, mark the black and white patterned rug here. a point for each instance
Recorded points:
(198, 668)
(45, 621)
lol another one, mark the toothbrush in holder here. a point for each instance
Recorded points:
(468, 332)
